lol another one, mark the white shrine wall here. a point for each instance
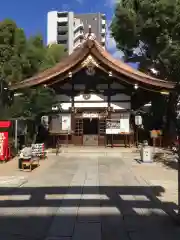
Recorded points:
(119, 101)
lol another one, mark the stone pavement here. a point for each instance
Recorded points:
(88, 197)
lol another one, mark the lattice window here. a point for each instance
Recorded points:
(78, 127)
(102, 127)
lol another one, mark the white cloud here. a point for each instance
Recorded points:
(118, 54)
(111, 3)
(111, 44)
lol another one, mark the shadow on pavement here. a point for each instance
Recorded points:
(86, 212)
(171, 164)
(169, 160)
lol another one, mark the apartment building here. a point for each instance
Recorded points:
(69, 29)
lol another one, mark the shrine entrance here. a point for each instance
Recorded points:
(90, 131)
(90, 126)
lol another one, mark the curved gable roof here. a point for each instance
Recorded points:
(93, 48)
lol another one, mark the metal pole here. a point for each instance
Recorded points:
(137, 137)
(178, 181)
(15, 135)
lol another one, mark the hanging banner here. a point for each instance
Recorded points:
(90, 115)
(66, 122)
(3, 146)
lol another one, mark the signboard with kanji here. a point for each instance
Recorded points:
(38, 149)
(113, 126)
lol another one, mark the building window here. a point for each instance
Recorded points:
(62, 24)
(103, 16)
(62, 41)
(62, 32)
(62, 14)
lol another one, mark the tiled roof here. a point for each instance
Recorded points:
(93, 48)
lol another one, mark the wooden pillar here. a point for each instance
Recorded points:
(109, 100)
(109, 95)
(72, 95)
(109, 109)
(72, 114)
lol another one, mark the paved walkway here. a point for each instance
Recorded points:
(86, 197)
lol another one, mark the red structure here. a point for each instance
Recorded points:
(4, 141)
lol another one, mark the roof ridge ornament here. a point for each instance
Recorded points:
(90, 35)
(89, 61)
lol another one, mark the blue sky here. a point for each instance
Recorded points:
(32, 15)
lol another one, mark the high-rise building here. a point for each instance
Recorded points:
(98, 25)
(68, 29)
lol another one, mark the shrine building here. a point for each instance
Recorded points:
(96, 96)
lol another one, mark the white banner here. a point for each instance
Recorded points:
(66, 123)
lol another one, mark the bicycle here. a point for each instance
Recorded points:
(58, 146)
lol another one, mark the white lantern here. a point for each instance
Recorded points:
(138, 120)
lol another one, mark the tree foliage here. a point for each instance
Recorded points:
(21, 58)
(148, 32)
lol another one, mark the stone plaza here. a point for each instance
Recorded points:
(89, 195)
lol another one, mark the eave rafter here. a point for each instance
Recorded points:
(90, 56)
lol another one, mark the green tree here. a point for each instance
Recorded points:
(53, 54)
(148, 32)
(21, 58)
(12, 46)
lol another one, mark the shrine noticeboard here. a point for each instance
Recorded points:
(3, 146)
(60, 123)
(113, 126)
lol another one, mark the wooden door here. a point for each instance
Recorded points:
(102, 132)
(78, 132)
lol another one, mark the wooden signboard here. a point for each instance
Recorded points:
(112, 126)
